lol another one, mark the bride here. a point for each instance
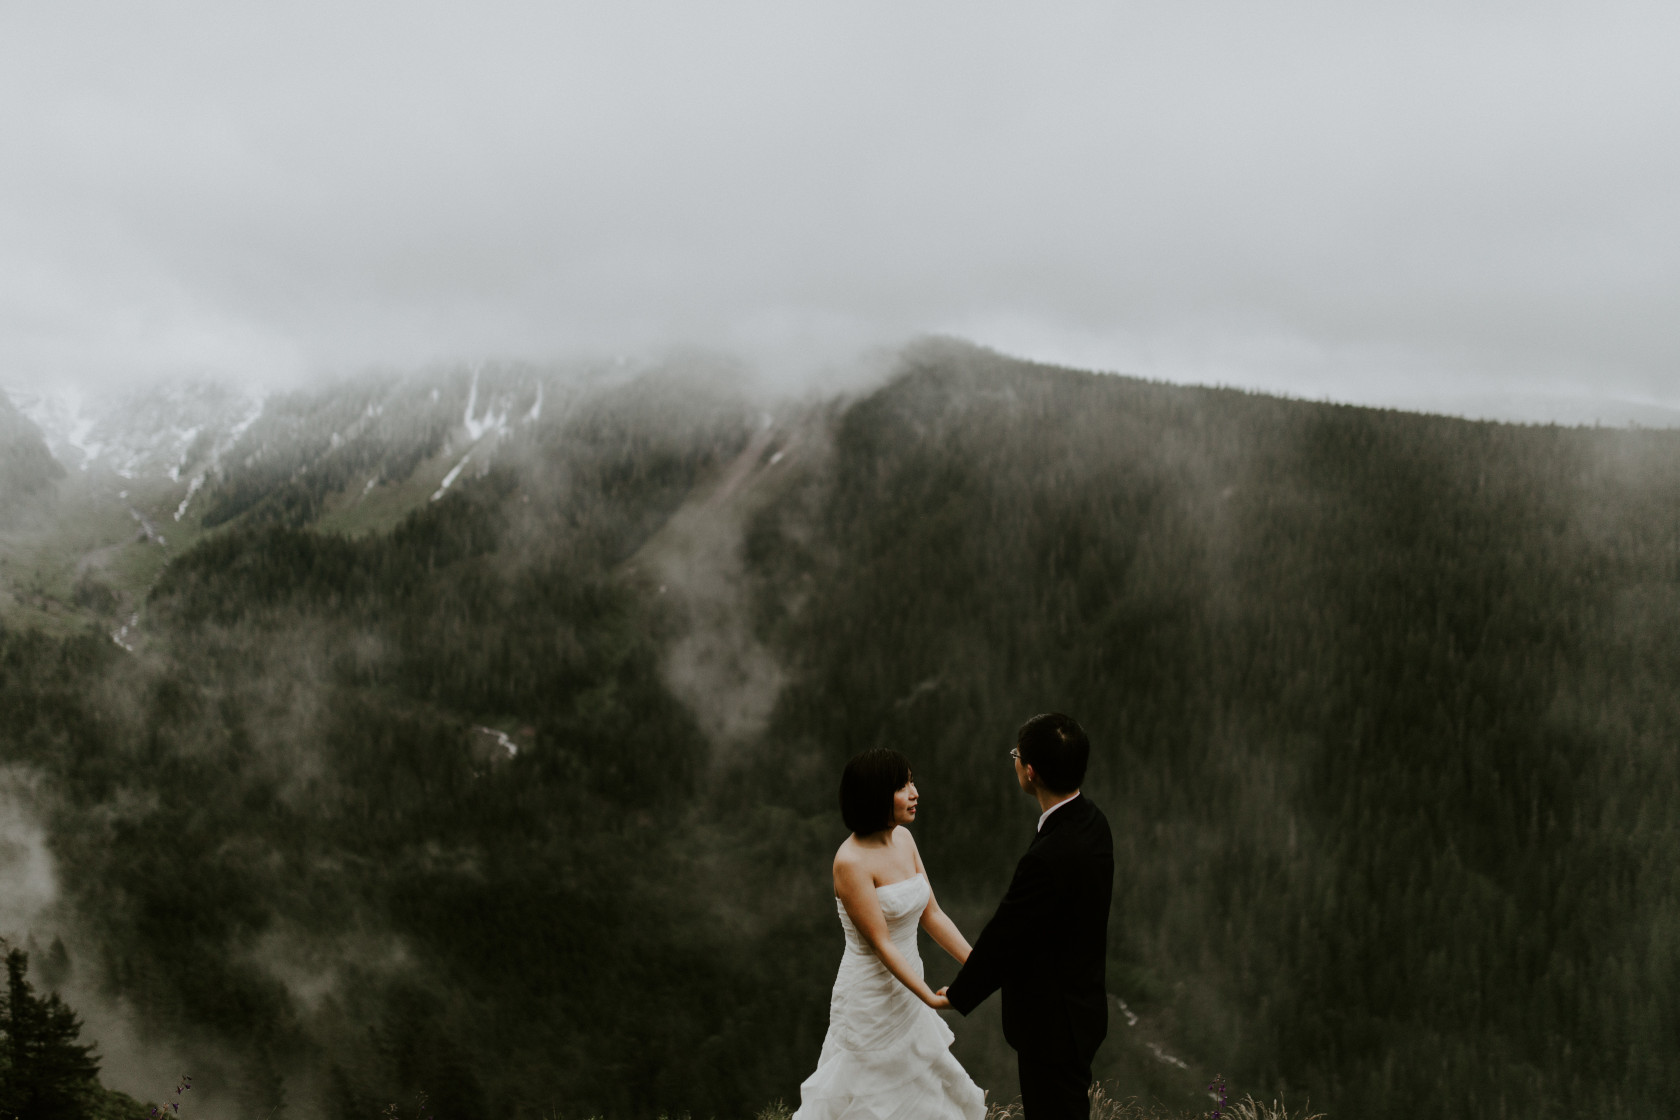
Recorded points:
(887, 1054)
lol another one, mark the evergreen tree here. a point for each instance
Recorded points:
(47, 1074)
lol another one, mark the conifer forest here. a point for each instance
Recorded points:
(501, 765)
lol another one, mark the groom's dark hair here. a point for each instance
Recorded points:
(1055, 747)
(867, 786)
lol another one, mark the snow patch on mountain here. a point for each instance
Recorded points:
(449, 479)
(193, 487)
(494, 423)
(170, 431)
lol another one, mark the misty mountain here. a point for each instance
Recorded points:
(1549, 408)
(478, 733)
(153, 469)
(27, 468)
(165, 429)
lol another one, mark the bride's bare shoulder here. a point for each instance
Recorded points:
(852, 869)
(847, 854)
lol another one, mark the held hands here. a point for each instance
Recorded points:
(938, 1002)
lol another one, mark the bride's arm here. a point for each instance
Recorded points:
(938, 924)
(856, 890)
(944, 931)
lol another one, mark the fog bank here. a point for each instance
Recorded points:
(1408, 206)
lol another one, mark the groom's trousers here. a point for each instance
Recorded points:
(1054, 1085)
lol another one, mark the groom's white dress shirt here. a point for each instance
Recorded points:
(1044, 816)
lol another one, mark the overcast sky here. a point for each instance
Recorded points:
(1395, 203)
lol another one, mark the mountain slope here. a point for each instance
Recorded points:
(1379, 702)
(27, 468)
(155, 469)
(1381, 705)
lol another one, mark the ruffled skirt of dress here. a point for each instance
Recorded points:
(887, 1055)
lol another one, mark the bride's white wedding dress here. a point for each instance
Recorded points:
(887, 1055)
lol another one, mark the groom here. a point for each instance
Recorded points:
(1046, 946)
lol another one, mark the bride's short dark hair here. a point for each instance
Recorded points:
(867, 786)
(1056, 748)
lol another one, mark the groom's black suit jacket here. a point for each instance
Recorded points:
(1046, 946)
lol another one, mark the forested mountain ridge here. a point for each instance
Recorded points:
(1387, 702)
(1383, 706)
(151, 470)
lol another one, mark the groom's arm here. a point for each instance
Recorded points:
(1006, 937)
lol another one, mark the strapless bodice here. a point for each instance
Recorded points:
(902, 904)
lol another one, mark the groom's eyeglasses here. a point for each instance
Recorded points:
(1015, 753)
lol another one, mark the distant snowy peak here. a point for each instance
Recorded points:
(172, 431)
(225, 451)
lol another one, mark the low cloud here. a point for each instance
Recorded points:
(1307, 198)
(28, 880)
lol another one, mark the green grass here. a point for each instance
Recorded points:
(86, 532)
(359, 510)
